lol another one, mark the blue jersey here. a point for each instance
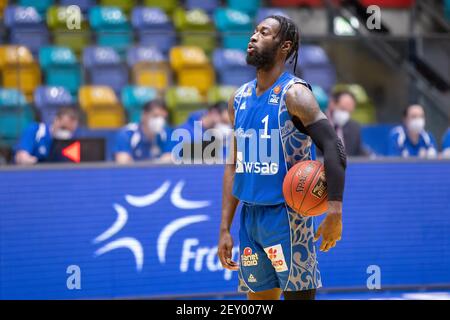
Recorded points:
(400, 145)
(268, 143)
(131, 139)
(36, 140)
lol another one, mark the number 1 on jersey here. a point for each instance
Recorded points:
(266, 127)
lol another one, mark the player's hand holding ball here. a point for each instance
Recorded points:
(305, 191)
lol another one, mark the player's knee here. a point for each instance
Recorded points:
(300, 295)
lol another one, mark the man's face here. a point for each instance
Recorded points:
(263, 48)
(345, 103)
(65, 123)
(154, 120)
(415, 112)
(211, 119)
(225, 117)
(415, 119)
(154, 113)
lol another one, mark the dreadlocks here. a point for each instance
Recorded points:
(288, 32)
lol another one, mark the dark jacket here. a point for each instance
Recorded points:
(352, 139)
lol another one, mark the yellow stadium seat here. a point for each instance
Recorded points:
(19, 69)
(3, 5)
(192, 68)
(101, 106)
(152, 74)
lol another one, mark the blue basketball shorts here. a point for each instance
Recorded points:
(276, 250)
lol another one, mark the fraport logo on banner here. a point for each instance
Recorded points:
(194, 255)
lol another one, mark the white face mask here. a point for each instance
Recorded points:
(156, 124)
(62, 134)
(416, 125)
(340, 117)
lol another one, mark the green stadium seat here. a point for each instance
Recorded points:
(15, 115)
(167, 5)
(181, 101)
(236, 27)
(248, 6)
(60, 67)
(112, 28)
(134, 99)
(40, 5)
(196, 28)
(220, 93)
(365, 110)
(321, 97)
(75, 39)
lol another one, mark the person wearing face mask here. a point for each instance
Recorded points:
(341, 106)
(35, 143)
(411, 139)
(206, 125)
(147, 140)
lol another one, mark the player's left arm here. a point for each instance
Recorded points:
(302, 105)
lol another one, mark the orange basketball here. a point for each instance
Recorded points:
(305, 188)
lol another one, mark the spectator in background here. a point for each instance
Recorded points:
(341, 106)
(36, 141)
(147, 140)
(215, 117)
(446, 145)
(410, 139)
(206, 127)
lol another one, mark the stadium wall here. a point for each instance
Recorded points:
(114, 232)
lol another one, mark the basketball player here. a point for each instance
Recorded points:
(276, 244)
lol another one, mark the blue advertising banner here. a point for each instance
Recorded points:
(104, 232)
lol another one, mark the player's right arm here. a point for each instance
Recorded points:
(229, 204)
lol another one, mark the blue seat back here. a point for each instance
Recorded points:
(154, 28)
(26, 27)
(84, 5)
(48, 99)
(105, 67)
(263, 13)
(208, 6)
(138, 54)
(315, 67)
(99, 55)
(41, 6)
(231, 67)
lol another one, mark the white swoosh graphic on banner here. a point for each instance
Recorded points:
(122, 217)
(179, 202)
(149, 199)
(128, 243)
(173, 227)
